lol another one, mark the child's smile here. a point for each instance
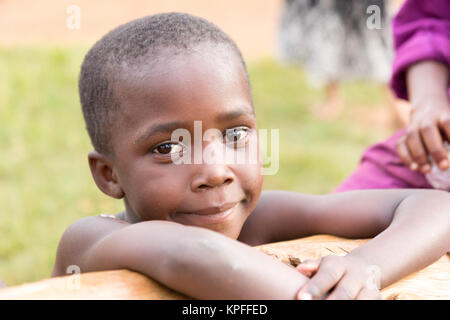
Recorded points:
(208, 86)
(209, 215)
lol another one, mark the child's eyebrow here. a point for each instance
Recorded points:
(171, 126)
(159, 128)
(227, 116)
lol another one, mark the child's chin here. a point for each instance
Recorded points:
(224, 222)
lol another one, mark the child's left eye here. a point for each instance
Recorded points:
(235, 135)
(168, 148)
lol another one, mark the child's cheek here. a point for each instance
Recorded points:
(159, 195)
(251, 180)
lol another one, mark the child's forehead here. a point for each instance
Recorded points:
(182, 78)
(178, 90)
(174, 63)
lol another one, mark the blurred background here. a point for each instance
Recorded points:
(45, 182)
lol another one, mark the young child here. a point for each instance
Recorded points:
(191, 226)
(420, 75)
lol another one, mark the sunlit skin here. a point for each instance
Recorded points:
(181, 221)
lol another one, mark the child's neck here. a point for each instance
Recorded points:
(128, 216)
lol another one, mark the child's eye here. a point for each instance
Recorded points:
(168, 148)
(235, 135)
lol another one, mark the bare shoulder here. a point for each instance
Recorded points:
(80, 236)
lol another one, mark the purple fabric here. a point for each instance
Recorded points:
(421, 32)
(381, 168)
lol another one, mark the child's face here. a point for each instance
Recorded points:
(208, 86)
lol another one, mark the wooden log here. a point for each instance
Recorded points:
(432, 282)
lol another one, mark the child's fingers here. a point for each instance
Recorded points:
(309, 267)
(326, 277)
(444, 124)
(347, 289)
(434, 145)
(417, 150)
(403, 153)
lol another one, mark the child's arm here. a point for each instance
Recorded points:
(421, 31)
(195, 261)
(427, 83)
(411, 230)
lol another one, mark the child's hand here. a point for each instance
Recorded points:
(427, 83)
(424, 136)
(339, 278)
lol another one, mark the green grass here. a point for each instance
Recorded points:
(45, 182)
(315, 155)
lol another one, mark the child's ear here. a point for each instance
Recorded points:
(104, 175)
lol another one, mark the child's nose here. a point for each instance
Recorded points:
(212, 176)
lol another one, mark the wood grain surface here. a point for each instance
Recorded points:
(432, 282)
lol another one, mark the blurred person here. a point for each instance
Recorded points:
(415, 157)
(331, 40)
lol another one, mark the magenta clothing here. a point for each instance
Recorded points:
(381, 168)
(421, 32)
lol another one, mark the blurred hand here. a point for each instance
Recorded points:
(339, 278)
(429, 128)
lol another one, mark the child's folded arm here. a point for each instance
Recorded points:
(418, 235)
(410, 230)
(292, 215)
(195, 261)
(352, 214)
(413, 228)
(410, 227)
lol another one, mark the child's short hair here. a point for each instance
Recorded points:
(126, 45)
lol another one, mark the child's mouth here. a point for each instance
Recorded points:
(210, 215)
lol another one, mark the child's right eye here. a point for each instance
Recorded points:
(168, 148)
